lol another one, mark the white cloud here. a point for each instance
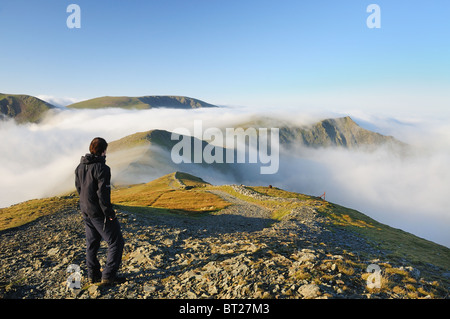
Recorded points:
(410, 193)
(58, 101)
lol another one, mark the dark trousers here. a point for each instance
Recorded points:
(96, 230)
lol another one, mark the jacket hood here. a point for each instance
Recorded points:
(91, 159)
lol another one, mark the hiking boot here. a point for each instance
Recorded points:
(94, 277)
(93, 280)
(113, 281)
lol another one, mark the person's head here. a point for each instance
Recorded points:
(98, 146)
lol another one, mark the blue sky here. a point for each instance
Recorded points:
(271, 54)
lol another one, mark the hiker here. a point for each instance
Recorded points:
(92, 180)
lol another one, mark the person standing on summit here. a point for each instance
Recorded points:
(92, 180)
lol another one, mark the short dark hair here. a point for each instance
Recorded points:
(98, 146)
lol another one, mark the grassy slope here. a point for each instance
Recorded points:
(151, 141)
(23, 213)
(178, 193)
(158, 137)
(24, 108)
(143, 102)
(109, 101)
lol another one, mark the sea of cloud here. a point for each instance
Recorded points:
(407, 192)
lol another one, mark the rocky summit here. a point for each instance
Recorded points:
(240, 251)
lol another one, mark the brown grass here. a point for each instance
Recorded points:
(22, 213)
(169, 193)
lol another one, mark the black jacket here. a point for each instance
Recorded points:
(92, 180)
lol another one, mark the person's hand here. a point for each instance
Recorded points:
(115, 215)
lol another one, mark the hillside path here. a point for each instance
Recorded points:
(241, 207)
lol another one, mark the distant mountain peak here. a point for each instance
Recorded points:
(338, 132)
(330, 132)
(23, 108)
(142, 102)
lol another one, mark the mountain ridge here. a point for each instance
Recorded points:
(261, 242)
(30, 109)
(148, 153)
(142, 102)
(23, 108)
(329, 132)
(141, 155)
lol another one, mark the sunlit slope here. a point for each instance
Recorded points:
(173, 193)
(142, 102)
(23, 213)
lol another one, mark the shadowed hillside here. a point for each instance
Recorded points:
(138, 156)
(145, 155)
(23, 108)
(333, 132)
